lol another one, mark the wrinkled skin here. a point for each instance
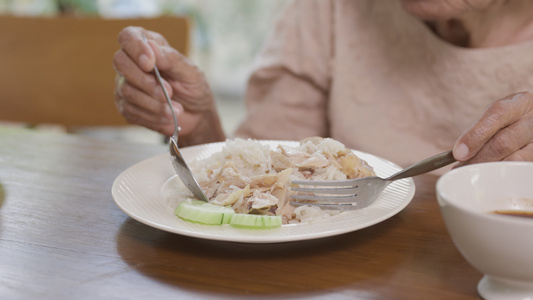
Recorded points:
(503, 132)
(140, 99)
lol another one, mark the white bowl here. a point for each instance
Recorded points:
(499, 246)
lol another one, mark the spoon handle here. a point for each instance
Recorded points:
(169, 102)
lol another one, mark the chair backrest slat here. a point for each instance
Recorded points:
(59, 70)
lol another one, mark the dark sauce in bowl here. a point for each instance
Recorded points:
(515, 213)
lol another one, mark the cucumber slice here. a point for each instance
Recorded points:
(255, 221)
(204, 213)
(197, 211)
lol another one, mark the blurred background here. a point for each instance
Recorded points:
(226, 36)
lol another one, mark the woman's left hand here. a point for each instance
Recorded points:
(503, 132)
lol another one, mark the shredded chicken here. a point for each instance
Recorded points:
(252, 178)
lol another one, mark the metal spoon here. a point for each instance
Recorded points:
(180, 166)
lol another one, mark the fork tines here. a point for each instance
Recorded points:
(334, 206)
(326, 187)
(346, 182)
(332, 194)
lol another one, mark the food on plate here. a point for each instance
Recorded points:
(252, 178)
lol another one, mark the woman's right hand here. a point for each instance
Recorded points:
(140, 99)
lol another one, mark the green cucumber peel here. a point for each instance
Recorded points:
(197, 211)
(255, 221)
(204, 213)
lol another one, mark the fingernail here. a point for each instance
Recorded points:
(461, 151)
(176, 107)
(158, 91)
(144, 61)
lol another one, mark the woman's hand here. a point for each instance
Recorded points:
(140, 99)
(503, 132)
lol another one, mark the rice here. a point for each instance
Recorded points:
(249, 156)
(252, 178)
(306, 213)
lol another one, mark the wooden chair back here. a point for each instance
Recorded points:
(59, 70)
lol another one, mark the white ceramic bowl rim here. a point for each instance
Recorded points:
(484, 167)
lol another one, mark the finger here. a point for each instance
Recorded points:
(119, 81)
(131, 71)
(139, 108)
(132, 43)
(146, 102)
(140, 119)
(137, 115)
(175, 65)
(507, 141)
(136, 77)
(497, 116)
(524, 154)
(188, 82)
(154, 36)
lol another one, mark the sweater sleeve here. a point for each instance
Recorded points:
(287, 93)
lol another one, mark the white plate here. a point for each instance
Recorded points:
(139, 192)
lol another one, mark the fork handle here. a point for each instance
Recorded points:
(427, 165)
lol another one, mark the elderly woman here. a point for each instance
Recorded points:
(401, 79)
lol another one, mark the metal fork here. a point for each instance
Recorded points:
(361, 192)
(179, 164)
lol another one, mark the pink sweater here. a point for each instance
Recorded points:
(375, 78)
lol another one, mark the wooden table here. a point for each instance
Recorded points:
(63, 237)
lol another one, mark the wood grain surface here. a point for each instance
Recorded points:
(63, 237)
